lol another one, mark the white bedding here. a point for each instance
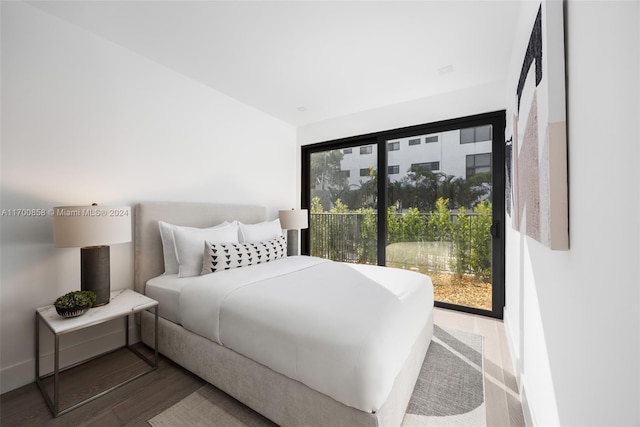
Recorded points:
(166, 289)
(342, 329)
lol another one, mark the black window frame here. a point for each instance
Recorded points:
(497, 120)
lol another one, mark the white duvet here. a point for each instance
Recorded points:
(344, 330)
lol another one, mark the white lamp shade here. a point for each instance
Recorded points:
(82, 226)
(294, 219)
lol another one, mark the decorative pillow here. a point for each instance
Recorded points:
(189, 245)
(260, 232)
(225, 256)
(169, 243)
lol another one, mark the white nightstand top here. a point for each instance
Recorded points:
(123, 302)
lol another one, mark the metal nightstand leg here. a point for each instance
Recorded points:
(154, 363)
(56, 376)
(54, 405)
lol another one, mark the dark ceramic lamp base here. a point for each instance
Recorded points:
(95, 272)
(292, 242)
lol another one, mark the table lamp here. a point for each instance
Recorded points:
(92, 228)
(293, 220)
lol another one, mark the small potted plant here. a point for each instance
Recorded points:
(75, 303)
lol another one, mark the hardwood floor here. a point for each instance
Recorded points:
(140, 400)
(132, 404)
(501, 390)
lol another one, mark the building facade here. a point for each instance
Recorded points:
(461, 153)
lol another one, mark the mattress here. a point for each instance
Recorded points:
(344, 330)
(166, 289)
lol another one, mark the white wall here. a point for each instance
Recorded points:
(84, 120)
(572, 316)
(475, 100)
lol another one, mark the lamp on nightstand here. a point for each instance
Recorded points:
(92, 228)
(293, 220)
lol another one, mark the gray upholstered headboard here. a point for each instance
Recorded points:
(149, 260)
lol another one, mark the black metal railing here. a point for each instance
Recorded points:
(445, 244)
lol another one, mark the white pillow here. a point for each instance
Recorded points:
(260, 232)
(225, 256)
(190, 245)
(169, 245)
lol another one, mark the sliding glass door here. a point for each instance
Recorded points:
(428, 198)
(439, 211)
(344, 194)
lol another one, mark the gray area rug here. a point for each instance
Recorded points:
(450, 387)
(449, 392)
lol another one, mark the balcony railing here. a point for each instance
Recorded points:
(453, 244)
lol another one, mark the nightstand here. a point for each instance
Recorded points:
(123, 304)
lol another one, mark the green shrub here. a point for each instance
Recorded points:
(460, 239)
(480, 260)
(440, 221)
(351, 235)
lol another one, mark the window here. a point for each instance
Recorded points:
(338, 235)
(433, 166)
(477, 134)
(346, 174)
(367, 149)
(388, 188)
(478, 163)
(347, 150)
(429, 139)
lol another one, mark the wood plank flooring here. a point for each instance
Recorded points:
(140, 400)
(501, 390)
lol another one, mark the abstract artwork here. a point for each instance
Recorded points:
(536, 153)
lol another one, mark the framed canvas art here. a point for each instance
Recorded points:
(537, 182)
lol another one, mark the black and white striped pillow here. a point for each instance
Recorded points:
(225, 256)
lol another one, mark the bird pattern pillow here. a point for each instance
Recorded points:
(225, 256)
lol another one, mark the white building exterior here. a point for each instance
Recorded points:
(460, 152)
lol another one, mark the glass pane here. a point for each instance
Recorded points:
(483, 159)
(431, 139)
(483, 133)
(343, 198)
(471, 161)
(439, 212)
(467, 135)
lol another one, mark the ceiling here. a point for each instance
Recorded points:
(307, 61)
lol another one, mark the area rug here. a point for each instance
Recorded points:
(449, 392)
(450, 387)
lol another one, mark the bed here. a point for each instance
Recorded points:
(289, 385)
